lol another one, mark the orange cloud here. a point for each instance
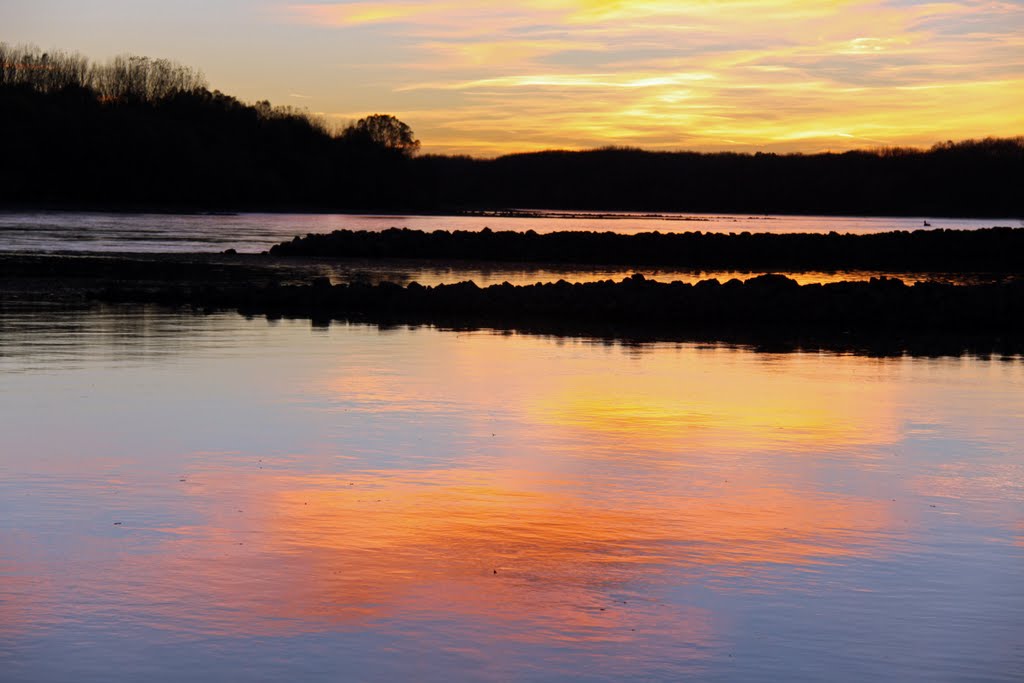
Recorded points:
(781, 75)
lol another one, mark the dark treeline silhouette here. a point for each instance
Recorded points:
(142, 132)
(978, 178)
(139, 132)
(986, 250)
(125, 77)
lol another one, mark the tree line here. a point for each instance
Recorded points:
(149, 133)
(123, 77)
(967, 178)
(136, 132)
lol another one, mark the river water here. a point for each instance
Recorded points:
(214, 498)
(253, 232)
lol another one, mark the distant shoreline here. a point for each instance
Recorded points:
(129, 208)
(156, 137)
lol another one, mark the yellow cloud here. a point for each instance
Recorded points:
(780, 75)
(496, 53)
(572, 81)
(354, 13)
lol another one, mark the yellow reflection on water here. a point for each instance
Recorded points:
(659, 401)
(730, 412)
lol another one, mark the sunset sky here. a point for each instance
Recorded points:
(488, 78)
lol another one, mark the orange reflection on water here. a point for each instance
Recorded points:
(501, 551)
(597, 496)
(527, 529)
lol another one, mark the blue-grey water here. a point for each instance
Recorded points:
(213, 498)
(255, 232)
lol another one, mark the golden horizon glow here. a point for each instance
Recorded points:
(783, 75)
(526, 75)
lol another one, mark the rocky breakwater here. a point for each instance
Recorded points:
(992, 250)
(767, 302)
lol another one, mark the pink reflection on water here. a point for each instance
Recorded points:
(499, 550)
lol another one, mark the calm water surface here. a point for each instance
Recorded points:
(252, 232)
(215, 498)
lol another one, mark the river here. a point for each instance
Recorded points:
(255, 232)
(211, 497)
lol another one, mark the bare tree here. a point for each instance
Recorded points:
(122, 77)
(384, 130)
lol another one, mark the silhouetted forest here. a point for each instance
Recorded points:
(978, 178)
(139, 132)
(142, 132)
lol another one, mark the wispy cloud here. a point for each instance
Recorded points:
(774, 74)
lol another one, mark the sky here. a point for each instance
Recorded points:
(489, 78)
